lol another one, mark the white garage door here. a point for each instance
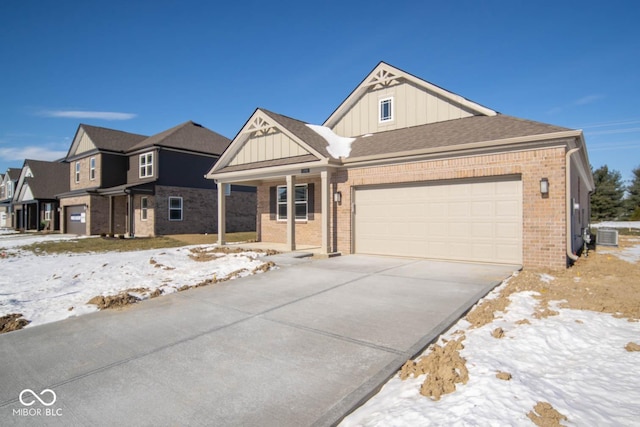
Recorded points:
(457, 220)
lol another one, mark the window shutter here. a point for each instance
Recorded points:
(310, 201)
(273, 203)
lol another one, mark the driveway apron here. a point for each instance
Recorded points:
(301, 345)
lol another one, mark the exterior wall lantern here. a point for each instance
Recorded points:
(337, 196)
(544, 187)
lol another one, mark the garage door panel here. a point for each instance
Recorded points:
(472, 221)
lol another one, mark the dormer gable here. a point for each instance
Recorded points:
(389, 98)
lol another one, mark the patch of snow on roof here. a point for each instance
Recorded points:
(339, 146)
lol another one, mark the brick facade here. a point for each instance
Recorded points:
(307, 232)
(97, 213)
(85, 174)
(200, 211)
(544, 219)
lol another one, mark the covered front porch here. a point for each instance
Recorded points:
(123, 202)
(294, 208)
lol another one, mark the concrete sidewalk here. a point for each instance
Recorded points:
(297, 346)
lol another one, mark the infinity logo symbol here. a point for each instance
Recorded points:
(29, 403)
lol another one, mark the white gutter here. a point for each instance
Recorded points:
(569, 207)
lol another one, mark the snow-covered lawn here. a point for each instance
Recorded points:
(48, 288)
(585, 364)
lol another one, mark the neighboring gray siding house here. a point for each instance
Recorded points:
(7, 189)
(34, 201)
(134, 185)
(405, 168)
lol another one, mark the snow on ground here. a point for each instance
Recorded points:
(576, 361)
(617, 224)
(43, 288)
(11, 239)
(631, 254)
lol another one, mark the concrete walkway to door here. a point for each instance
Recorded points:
(302, 345)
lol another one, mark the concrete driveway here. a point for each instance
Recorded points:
(299, 346)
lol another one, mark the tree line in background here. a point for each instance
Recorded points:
(609, 201)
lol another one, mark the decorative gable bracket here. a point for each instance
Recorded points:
(260, 127)
(383, 78)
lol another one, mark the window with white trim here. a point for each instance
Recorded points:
(301, 202)
(77, 171)
(144, 208)
(48, 208)
(227, 189)
(385, 110)
(146, 165)
(175, 208)
(9, 189)
(92, 168)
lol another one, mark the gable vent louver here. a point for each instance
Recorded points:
(607, 237)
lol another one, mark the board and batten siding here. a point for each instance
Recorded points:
(267, 147)
(412, 106)
(84, 143)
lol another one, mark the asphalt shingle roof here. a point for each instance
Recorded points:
(49, 178)
(14, 173)
(110, 139)
(448, 134)
(187, 136)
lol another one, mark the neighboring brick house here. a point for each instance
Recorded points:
(7, 187)
(403, 167)
(134, 185)
(35, 205)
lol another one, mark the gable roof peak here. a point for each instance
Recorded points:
(188, 135)
(383, 75)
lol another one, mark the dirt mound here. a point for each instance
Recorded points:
(12, 322)
(204, 254)
(213, 280)
(113, 301)
(544, 415)
(444, 368)
(505, 376)
(631, 346)
(600, 282)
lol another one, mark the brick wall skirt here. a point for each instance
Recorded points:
(200, 211)
(270, 230)
(544, 219)
(97, 213)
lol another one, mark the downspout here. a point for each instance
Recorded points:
(569, 239)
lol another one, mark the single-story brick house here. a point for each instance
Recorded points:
(405, 168)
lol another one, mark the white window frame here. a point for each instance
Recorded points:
(227, 189)
(279, 202)
(382, 101)
(77, 172)
(48, 208)
(145, 165)
(180, 209)
(92, 168)
(9, 189)
(144, 208)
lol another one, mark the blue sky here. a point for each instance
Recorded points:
(146, 66)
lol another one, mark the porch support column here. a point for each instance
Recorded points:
(291, 213)
(222, 220)
(111, 215)
(326, 195)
